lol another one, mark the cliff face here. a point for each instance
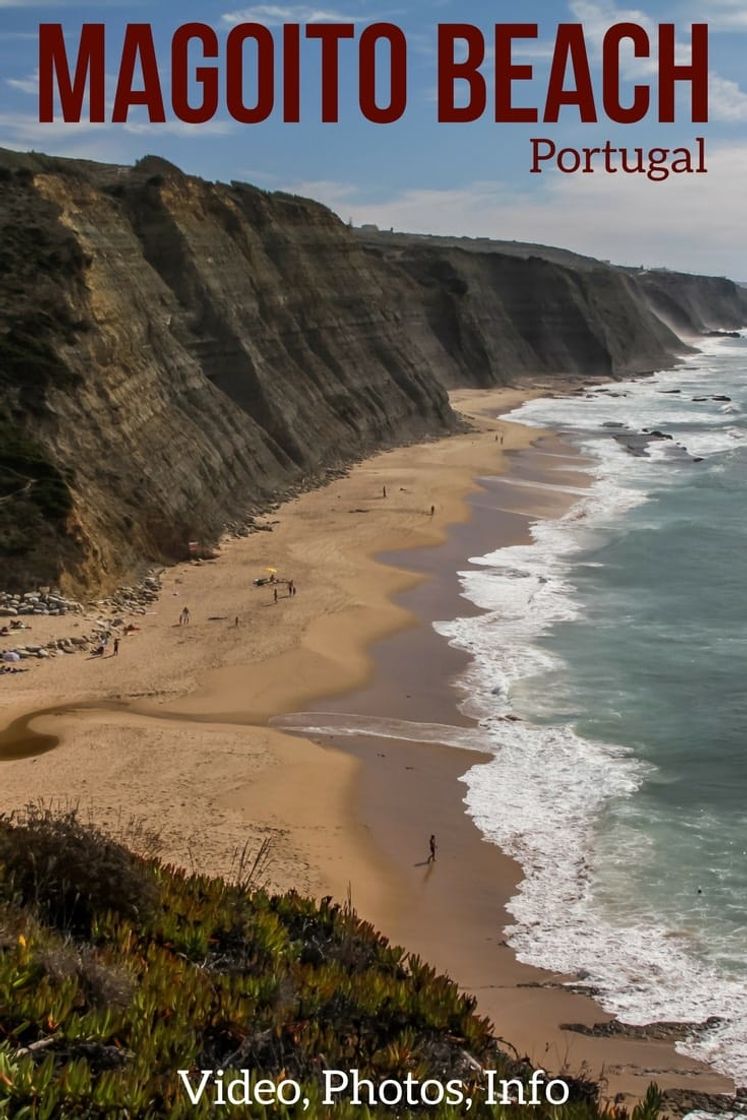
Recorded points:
(501, 310)
(175, 353)
(692, 305)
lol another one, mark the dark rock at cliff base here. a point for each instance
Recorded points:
(681, 1102)
(661, 1031)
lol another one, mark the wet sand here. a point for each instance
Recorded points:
(175, 731)
(453, 912)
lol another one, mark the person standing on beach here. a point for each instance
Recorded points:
(433, 510)
(432, 849)
(275, 594)
(383, 491)
(116, 647)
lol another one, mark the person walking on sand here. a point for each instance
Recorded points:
(433, 510)
(383, 491)
(116, 647)
(432, 849)
(275, 593)
(236, 623)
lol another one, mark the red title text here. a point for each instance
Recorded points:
(254, 74)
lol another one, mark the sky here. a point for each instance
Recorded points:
(419, 175)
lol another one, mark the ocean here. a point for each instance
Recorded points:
(619, 636)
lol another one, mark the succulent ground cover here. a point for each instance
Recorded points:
(117, 971)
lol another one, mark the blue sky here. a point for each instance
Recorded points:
(417, 174)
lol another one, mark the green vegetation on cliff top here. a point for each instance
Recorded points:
(116, 971)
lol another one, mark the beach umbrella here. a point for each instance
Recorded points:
(11, 655)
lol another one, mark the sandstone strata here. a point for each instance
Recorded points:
(177, 355)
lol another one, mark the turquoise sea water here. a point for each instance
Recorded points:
(620, 637)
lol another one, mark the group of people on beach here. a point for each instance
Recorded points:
(185, 616)
(102, 647)
(384, 494)
(291, 585)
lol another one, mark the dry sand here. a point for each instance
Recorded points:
(174, 730)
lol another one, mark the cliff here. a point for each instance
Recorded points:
(694, 305)
(175, 354)
(503, 309)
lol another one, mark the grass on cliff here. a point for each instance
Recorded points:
(116, 971)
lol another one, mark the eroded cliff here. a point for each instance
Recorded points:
(174, 353)
(503, 309)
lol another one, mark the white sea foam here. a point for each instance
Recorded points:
(543, 796)
(348, 725)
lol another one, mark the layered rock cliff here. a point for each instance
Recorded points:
(502, 309)
(175, 353)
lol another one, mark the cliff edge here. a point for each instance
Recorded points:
(175, 354)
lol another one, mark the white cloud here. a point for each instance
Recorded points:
(19, 129)
(24, 129)
(722, 15)
(727, 101)
(332, 194)
(691, 222)
(277, 14)
(598, 17)
(25, 85)
(178, 128)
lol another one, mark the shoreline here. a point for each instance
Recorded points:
(208, 709)
(204, 693)
(453, 913)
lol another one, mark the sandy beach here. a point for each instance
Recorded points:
(175, 731)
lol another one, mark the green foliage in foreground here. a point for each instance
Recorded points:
(117, 971)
